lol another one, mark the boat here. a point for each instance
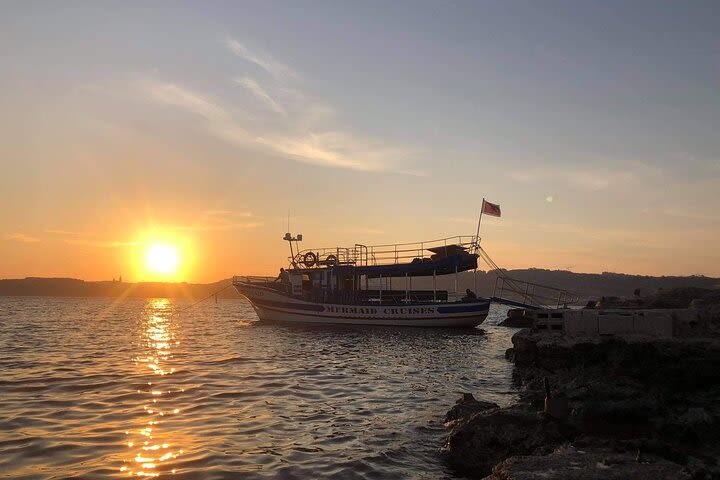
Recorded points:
(370, 285)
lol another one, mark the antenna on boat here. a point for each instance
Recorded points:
(289, 238)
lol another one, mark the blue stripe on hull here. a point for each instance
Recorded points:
(310, 307)
(477, 307)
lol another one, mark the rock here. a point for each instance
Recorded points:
(567, 463)
(516, 318)
(465, 407)
(658, 399)
(524, 348)
(680, 297)
(556, 407)
(517, 322)
(489, 437)
(695, 417)
(696, 425)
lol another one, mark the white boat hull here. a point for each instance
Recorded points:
(272, 306)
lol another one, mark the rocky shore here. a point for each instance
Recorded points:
(599, 407)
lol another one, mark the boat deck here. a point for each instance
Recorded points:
(360, 255)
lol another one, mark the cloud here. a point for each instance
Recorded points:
(260, 93)
(177, 96)
(305, 130)
(102, 243)
(21, 237)
(328, 148)
(64, 232)
(218, 220)
(215, 226)
(219, 213)
(89, 239)
(334, 149)
(270, 65)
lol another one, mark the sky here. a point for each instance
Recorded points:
(201, 125)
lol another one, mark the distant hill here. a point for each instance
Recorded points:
(586, 285)
(592, 285)
(71, 287)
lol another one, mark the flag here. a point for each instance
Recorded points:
(490, 209)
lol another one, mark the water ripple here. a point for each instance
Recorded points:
(96, 388)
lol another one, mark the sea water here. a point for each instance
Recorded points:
(98, 388)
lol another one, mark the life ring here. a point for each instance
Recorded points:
(309, 259)
(330, 259)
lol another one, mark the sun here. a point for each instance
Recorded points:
(162, 259)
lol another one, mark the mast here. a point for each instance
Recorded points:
(477, 234)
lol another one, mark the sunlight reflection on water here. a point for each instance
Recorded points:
(151, 444)
(98, 388)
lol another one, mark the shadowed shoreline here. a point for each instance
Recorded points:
(586, 285)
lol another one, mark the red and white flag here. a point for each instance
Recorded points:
(490, 209)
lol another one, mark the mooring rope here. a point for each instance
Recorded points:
(203, 299)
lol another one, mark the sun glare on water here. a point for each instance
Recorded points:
(162, 259)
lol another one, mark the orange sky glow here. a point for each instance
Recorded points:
(201, 139)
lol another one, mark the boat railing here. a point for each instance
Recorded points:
(387, 254)
(237, 279)
(529, 293)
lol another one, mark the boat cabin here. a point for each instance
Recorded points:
(364, 274)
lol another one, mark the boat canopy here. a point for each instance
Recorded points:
(460, 262)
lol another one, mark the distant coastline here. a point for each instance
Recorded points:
(71, 287)
(587, 285)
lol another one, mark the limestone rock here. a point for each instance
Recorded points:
(488, 437)
(568, 463)
(465, 407)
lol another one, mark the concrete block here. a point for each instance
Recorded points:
(581, 322)
(654, 323)
(615, 323)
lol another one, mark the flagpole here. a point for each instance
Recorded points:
(477, 234)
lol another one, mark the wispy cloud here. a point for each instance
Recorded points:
(264, 61)
(329, 148)
(63, 232)
(254, 88)
(102, 243)
(72, 237)
(336, 149)
(20, 237)
(303, 130)
(224, 213)
(177, 96)
(217, 226)
(220, 219)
